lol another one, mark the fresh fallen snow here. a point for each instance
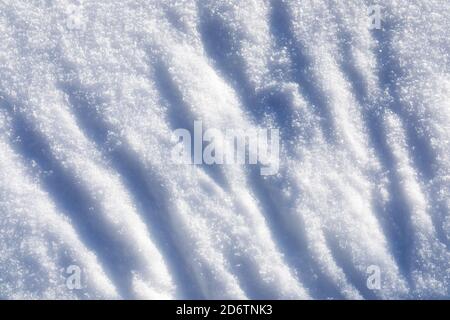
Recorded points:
(91, 92)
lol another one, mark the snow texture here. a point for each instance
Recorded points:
(91, 92)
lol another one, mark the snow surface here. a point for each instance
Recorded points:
(89, 100)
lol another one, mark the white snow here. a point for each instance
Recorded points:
(91, 92)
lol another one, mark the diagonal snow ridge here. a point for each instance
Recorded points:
(92, 91)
